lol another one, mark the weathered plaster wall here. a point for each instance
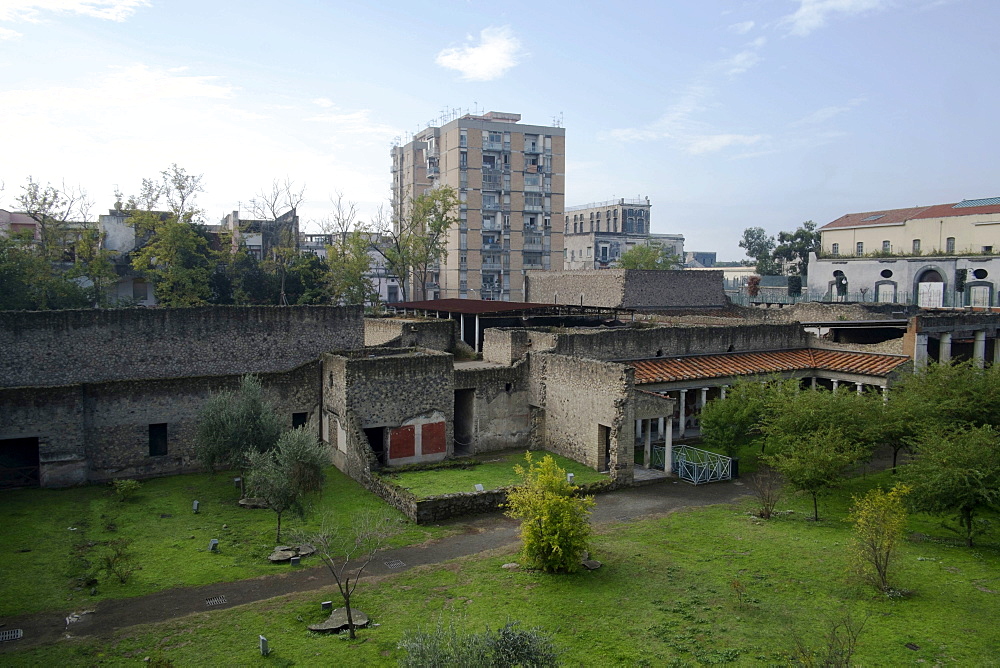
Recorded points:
(505, 346)
(579, 395)
(501, 411)
(68, 347)
(99, 431)
(436, 334)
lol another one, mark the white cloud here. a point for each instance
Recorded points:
(741, 62)
(32, 10)
(324, 102)
(742, 28)
(813, 14)
(713, 143)
(6, 33)
(498, 51)
(826, 113)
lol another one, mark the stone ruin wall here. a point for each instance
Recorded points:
(48, 348)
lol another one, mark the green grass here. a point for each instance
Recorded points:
(51, 540)
(493, 470)
(662, 598)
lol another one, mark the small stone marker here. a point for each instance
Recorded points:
(337, 621)
(264, 649)
(326, 605)
(295, 561)
(237, 481)
(194, 507)
(213, 545)
(592, 564)
(570, 477)
(511, 566)
(479, 488)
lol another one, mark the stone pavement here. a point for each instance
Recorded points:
(479, 534)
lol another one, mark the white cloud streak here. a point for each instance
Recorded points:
(742, 28)
(813, 14)
(33, 10)
(6, 33)
(497, 52)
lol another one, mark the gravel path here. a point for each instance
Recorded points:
(477, 535)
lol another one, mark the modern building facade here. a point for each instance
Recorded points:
(597, 234)
(511, 184)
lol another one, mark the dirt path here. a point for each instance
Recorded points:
(478, 535)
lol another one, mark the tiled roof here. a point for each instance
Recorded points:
(867, 218)
(667, 370)
(948, 210)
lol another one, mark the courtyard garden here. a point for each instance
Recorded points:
(714, 585)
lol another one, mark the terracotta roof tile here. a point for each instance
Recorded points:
(697, 367)
(868, 218)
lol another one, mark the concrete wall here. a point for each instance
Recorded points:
(434, 333)
(69, 347)
(624, 288)
(99, 431)
(642, 343)
(580, 396)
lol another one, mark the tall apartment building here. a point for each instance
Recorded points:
(597, 234)
(511, 184)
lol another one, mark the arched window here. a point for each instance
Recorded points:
(835, 249)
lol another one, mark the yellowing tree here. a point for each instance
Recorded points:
(555, 526)
(879, 519)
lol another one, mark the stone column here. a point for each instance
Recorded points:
(836, 384)
(648, 452)
(861, 388)
(681, 415)
(920, 353)
(476, 342)
(660, 434)
(702, 400)
(885, 393)
(668, 444)
(722, 391)
(944, 353)
(812, 383)
(979, 348)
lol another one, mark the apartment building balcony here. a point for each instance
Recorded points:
(493, 247)
(494, 146)
(491, 206)
(532, 245)
(491, 266)
(532, 207)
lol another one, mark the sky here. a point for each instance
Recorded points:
(727, 114)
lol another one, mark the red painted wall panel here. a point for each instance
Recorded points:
(401, 442)
(432, 438)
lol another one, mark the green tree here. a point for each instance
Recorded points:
(53, 209)
(234, 423)
(813, 462)
(284, 476)
(417, 241)
(347, 552)
(759, 246)
(956, 472)
(642, 256)
(29, 281)
(555, 528)
(179, 262)
(94, 264)
(734, 423)
(794, 248)
(349, 262)
(879, 519)
(855, 416)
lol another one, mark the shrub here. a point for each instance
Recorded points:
(119, 560)
(555, 528)
(879, 520)
(125, 489)
(766, 485)
(447, 647)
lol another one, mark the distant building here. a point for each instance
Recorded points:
(382, 279)
(510, 180)
(933, 256)
(260, 236)
(699, 260)
(597, 234)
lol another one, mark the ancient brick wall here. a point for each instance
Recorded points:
(99, 431)
(69, 347)
(641, 343)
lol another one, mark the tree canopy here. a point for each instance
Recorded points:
(417, 241)
(642, 256)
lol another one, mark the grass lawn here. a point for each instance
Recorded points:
(494, 470)
(52, 539)
(664, 597)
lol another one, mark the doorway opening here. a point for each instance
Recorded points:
(19, 463)
(604, 438)
(465, 408)
(376, 440)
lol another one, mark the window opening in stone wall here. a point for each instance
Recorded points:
(19, 462)
(949, 245)
(299, 420)
(158, 439)
(376, 440)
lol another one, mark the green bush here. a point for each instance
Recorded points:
(125, 489)
(447, 647)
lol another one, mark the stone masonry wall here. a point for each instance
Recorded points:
(628, 288)
(643, 343)
(501, 412)
(69, 347)
(436, 334)
(579, 395)
(99, 431)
